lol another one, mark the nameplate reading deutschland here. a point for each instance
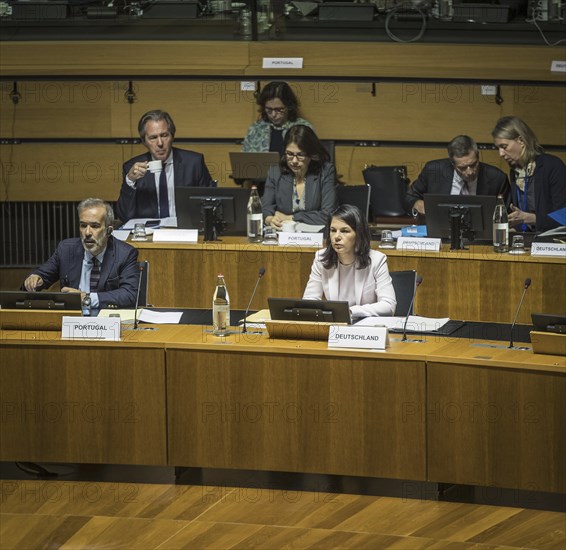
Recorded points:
(357, 337)
(95, 328)
(558, 250)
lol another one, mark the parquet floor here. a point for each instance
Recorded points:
(96, 515)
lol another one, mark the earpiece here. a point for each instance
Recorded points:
(109, 230)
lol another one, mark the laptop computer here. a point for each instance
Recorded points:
(252, 166)
(320, 311)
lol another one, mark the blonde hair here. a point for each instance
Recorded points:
(512, 127)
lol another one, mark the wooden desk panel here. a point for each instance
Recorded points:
(495, 427)
(88, 403)
(474, 284)
(295, 413)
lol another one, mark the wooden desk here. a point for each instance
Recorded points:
(473, 285)
(441, 410)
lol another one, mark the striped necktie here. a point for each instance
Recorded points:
(163, 195)
(94, 275)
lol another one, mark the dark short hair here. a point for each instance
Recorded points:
(461, 146)
(279, 90)
(96, 203)
(156, 115)
(308, 142)
(354, 217)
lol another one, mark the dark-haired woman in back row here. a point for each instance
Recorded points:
(278, 112)
(303, 187)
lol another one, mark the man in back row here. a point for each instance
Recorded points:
(103, 269)
(145, 194)
(461, 173)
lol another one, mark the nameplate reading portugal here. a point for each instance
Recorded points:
(344, 336)
(419, 244)
(301, 239)
(175, 236)
(549, 249)
(91, 328)
(282, 63)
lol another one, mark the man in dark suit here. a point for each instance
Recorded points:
(103, 269)
(151, 194)
(461, 173)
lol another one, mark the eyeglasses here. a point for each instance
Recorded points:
(275, 110)
(299, 156)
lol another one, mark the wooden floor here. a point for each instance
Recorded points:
(95, 515)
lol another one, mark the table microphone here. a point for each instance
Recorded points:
(136, 321)
(418, 281)
(527, 285)
(260, 274)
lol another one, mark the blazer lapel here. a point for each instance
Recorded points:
(107, 263)
(360, 278)
(333, 284)
(75, 265)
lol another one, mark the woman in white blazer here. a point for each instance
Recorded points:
(347, 269)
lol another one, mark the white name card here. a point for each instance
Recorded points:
(346, 336)
(549, 249)
(175, 236)
(419, 244)
(301, 239)
(91, 328)
(558, 66)
(282, 63)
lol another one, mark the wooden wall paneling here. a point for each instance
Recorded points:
(123, 58)
(338, 416)
(542, 108)
(88, 404)
(202, 108)
(401, 111)
(496, 427)
(57, 109)
(411, 60)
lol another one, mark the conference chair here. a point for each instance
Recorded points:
(357, 195)
(388, 189)
(404, 283)
(144, 285)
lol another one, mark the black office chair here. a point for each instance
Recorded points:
(144, 285)
(388, 189)
(404, 283)
(357, 195)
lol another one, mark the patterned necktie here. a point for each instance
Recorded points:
(163, 195)
(94, 275)
(464, 190)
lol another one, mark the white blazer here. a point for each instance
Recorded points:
(374, 291)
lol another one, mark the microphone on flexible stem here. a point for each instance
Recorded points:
(136, 321)
(260, 274)
(527, 285)
(418, 281)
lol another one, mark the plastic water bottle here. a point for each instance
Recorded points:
(500, 226)
(220, 308)
(86, 305)
(255, 217)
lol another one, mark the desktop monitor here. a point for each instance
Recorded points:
(61, 301)
(546, 322)
(293, 309)
(479, 207)
(231, 205)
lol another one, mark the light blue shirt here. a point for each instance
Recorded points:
(85, 277)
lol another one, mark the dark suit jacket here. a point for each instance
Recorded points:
(550, 190)
(119, 274)
(321, 195)
(437, 176)
(141, 200)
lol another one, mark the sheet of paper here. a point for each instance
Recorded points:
(308, 228)
(415, 323)
(160, 317)
(126, 315)
(121, 234)
(175, 236)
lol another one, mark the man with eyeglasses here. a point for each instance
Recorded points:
(461, 173)
(151, 194)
